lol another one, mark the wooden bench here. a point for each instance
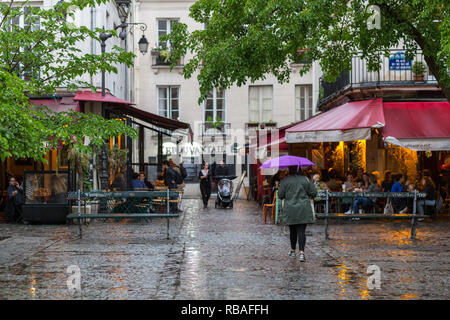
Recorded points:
(131, 205)
(339, 216)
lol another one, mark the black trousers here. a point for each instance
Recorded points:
(205, 189)
(297, 232)
(13, 212)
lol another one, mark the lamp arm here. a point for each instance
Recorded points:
(143, 26)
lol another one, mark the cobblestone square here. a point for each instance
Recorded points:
(224, 254)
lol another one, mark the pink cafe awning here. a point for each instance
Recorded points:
(420, 126)
(349, 122)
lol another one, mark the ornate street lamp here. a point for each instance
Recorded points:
(143, 45)
(123, 8)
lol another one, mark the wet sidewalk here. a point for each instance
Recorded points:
(223, 254)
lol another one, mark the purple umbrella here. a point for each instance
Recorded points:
(286, 161)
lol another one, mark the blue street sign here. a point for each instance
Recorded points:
(398, 62)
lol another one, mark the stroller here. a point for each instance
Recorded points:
(224, 192)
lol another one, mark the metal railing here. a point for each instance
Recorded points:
(394, 70)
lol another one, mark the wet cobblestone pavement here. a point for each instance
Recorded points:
(224, 254)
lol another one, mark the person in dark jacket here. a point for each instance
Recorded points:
(13, 209)
(205, 184)
(170, 176)
(387, 183)
(170, 180)
(222, 169)
(183, 171)
(297, 190)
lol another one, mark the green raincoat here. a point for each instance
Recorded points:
(296, 192)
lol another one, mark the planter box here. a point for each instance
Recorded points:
(45, 213)
(87, 209)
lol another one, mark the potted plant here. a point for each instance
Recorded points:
(156, 51)
(418, 70)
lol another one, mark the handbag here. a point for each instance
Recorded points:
(388, 209)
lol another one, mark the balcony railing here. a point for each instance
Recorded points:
(394, 70)
(260, 125)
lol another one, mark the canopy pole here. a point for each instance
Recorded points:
(79, 213)
(326, 214)
(414, 220)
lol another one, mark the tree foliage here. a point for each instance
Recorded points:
(36, 57)
(247, 39)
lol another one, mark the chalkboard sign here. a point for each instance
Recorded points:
(192, 171)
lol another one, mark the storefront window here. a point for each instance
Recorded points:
(45, 187)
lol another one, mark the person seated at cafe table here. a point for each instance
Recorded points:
(409, 201)
(333, 184)
(430, 190)
(397, 186)
(138, 182)
(367, 202)
(387, 183)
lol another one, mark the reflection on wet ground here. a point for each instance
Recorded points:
(223, 254)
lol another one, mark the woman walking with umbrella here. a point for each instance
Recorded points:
(296, 190)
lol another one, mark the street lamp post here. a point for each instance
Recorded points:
(104, 176)
(123, 9)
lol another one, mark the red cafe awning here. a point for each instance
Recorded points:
(125, 108)
(97, 97)
(420, 126)
(56, 104)
(349, 122)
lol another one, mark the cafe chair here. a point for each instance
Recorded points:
(271, 206)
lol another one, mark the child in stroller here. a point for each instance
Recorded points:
(224, 193)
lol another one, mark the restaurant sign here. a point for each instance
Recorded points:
(398, 62)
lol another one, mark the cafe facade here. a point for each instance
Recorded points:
(46, 181)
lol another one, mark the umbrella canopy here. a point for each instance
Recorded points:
(286, 161)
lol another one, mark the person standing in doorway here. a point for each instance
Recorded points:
(205, 184)
(297, 190)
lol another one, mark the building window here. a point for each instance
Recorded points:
(215, 106)
(165, 26)
(169, 102)
(303, 102)
(260, 103)
(29, 20)
(214, 109)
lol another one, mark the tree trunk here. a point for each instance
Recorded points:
(422, 42)
(434, 69)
